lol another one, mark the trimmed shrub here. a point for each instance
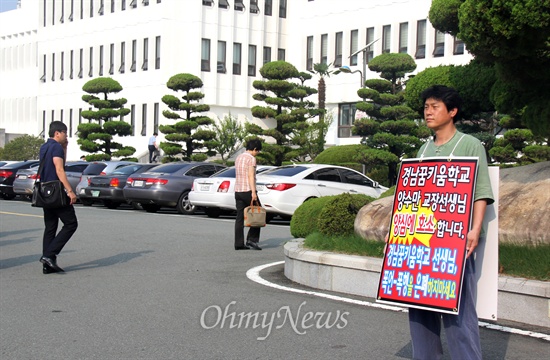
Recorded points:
(338, 216)
(337, 155)
(304, 220)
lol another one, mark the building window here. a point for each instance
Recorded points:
(239, 5)
(81, 9)
(91, 9)
(91, 71)
(420, 39)
(122, 57)
(205, 54)
(458, 47)
(251, 60)
(281, 54)
(79, 116)
(71, 64)
(224, 4)
(282, 9)
(254, 9)
(157, 52)
(386, 39)
(112, 59)
(53, 67)
(143, 119)
(439, 49)
(133, 4)
(237, 58)
(309, 53)
(72, 11)
(133, 119)
(101, 60)
(221, 57)
(267, 54)
(112, 6)
(62, 76)
(62, 18)
(338, 49)
(81, 71)
(268, 7)
(370, 39)
(134, 52)
(156, 118)
(403, 37)
(71, 122)
(43, 77)
(123, 4)
(61, 115)
(145, 2)
(208, 2)
(324, 49)
(353, 47)
(101, 8)
(144, 66)
(346, 116)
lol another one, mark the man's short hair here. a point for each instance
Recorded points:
(155, 134)
(254, 144)
(56, 126)
(445, 94)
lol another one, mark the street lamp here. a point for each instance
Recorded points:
(363, 73)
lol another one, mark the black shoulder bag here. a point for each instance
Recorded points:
(48, 194)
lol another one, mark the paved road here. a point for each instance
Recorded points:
(167, 286)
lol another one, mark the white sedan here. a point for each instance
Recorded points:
(216, 194)
(284, 189)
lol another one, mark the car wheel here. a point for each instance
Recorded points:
(9, 196)
(269, 217)
(111, 204)
(151, 208)
(136, 205)
(184, 205)
(86, 202)
(213, 212)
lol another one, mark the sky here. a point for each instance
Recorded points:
(6, 5)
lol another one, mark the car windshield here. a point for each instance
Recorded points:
(286, 170)
(94, 169)
(229, 172)
(167, 168)
(127, 170)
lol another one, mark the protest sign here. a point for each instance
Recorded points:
(426, 250)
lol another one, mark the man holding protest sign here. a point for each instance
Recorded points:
(441, 110)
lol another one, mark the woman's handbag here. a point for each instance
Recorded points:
(254, 215)
(49, 194)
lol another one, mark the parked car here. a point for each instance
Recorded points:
(168, 185)
(216, 194)
(7, 162)
(284, 189)
(7, 176)
(93, 169)
(25, 178)
(108, 188)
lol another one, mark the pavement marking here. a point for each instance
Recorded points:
(254, 275)
(19, 214)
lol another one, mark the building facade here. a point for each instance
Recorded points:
(50, 48)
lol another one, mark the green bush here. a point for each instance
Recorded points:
(337, 155)
(338, 216)
(304, 220)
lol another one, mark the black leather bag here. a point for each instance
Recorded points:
(49, 195)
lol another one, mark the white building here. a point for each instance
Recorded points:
(50, 48)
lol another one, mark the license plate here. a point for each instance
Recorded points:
(22, 177)
(138, 183)
(259, 188)
(95, 193)
(205, 187)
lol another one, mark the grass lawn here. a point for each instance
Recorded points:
(531, 262)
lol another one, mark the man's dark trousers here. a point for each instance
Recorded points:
(242, 200)
(52, 243)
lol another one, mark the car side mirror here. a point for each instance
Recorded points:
(375, 184)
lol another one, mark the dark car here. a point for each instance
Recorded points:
(94, 169)
(108, 188)
(25, 178)
(7, 176)
(168, 185)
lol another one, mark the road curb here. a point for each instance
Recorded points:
(521, 300)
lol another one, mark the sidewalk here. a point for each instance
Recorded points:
(520, 300)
